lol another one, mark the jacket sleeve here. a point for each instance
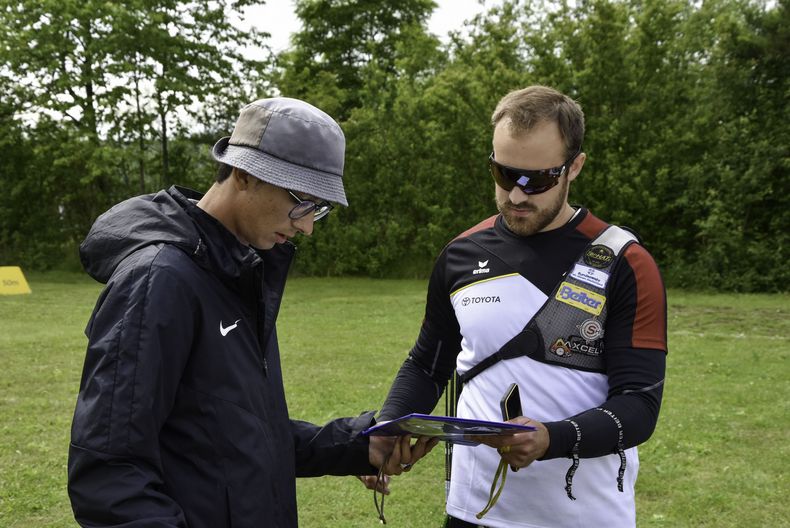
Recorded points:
(337, 448)
(138, 343)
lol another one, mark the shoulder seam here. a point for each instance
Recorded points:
(480, 226)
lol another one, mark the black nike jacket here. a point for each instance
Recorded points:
(181, 417)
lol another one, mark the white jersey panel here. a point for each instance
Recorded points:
(490, 312)
(548, 393)
(529, 498)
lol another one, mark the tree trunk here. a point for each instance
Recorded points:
(140, 134)
(165, 161)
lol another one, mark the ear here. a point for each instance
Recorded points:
(241, 180)
(576, 166)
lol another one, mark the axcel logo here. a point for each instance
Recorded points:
(580, 298)
(567, 347)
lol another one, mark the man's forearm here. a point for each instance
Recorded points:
(412, 391)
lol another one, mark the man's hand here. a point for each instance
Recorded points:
(521, 449)
(370, 482)
(397, 455)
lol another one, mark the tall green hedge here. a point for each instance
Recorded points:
(687, 140)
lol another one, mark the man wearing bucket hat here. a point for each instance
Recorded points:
(181, 417)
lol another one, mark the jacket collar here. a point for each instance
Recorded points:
(220, 250)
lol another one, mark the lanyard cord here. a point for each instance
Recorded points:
(494, 493)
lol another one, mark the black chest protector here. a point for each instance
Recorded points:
(568, 329)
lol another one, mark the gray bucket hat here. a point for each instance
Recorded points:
(290, 144)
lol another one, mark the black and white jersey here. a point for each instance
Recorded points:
(485, 287)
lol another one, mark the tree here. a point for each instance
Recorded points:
(339, 42)
(182, 53)
(417, 152)
(115, 78)
(742, 236)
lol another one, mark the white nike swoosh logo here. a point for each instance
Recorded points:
(224, 330)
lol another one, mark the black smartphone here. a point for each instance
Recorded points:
(511, 403)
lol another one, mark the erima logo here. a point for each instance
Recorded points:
(482, 267)
(466, 301)
(224, 330)
(580, 298)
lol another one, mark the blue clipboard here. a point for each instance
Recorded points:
(447, 428)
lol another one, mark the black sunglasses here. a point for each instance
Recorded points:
(305, 207)
(530, 181)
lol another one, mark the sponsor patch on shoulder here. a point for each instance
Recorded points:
(591, 276)
(598, 256)
(581, 298)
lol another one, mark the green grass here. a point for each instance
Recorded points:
(718, 458)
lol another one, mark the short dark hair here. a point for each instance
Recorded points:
(532, 105)
(223, 172)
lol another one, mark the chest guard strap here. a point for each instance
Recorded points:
(568, 329)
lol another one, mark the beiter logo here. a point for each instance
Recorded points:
(466, 301)
(581, 298)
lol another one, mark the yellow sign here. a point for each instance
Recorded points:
(12, 281)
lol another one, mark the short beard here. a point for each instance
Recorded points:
(538, 218)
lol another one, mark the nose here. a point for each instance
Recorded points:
(305, 224)
(517, 196)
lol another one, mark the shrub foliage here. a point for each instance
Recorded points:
(686, 103)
